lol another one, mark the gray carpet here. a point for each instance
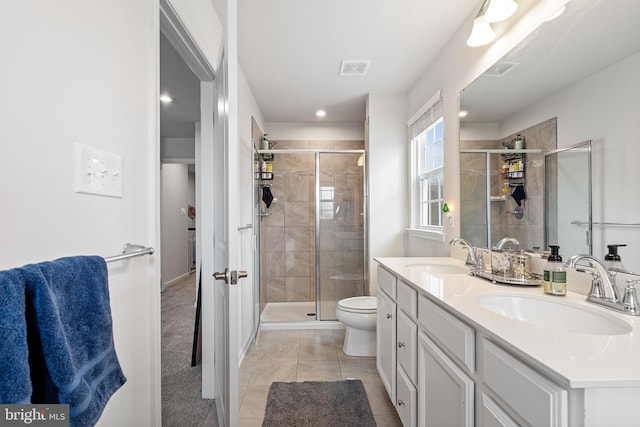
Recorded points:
(182, 402)
(318, 404)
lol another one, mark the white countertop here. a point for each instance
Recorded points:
(578, 360)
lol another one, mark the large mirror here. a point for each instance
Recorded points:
(574, 80)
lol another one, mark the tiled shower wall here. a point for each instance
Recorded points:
(287, 243)
(528, 230)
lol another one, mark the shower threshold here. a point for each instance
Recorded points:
(294, 315)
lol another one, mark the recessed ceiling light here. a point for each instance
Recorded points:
(165, 98)
(463, 113)
(321, 113)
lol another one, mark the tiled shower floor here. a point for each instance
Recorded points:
(288, 312)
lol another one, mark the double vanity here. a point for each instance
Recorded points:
(457, 350)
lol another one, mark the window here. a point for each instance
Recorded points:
(427, 161)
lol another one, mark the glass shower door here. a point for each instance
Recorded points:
(340, 216)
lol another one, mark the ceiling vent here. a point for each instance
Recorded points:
(354, 68)
(500, 69)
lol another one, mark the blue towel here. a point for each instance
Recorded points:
(519, 195)
(69, 302)
(267, 196)
(15, 385)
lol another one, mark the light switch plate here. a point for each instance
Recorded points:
(98, 172)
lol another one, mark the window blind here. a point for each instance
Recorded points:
(426, 116)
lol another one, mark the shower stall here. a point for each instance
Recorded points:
(312, 245)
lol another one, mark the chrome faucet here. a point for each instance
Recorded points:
(506, 240)
(471, 251)
(603, 286)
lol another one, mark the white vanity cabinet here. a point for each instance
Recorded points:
(386, 331)
(407, 354)
(526, 393)
(445, 387)
(426, 357)
(446, 393)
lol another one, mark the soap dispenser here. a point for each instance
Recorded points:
(612, 260)
(555, 277)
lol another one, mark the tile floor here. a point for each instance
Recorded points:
(277, 355)
(306, 355)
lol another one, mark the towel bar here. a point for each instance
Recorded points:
(129, 251)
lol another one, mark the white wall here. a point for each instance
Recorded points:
(456, 67)
(83, 72)
(87, 72)
(329, 131)
(177, 192)
(387, 154)
(178, 150)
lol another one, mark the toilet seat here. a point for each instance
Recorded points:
(365, 305)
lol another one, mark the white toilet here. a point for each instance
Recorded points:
(359, 316)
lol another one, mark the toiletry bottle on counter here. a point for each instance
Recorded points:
(612, 260)
(555, 277)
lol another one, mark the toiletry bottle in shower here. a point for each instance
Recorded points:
(555, 277)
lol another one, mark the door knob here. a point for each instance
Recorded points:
(230, 277)
(222, 275)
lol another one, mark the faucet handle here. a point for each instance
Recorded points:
(630, 300)
(596, 286)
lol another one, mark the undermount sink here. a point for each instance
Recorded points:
(554, 314)
(438, 268)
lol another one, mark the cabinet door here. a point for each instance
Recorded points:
(407, 351)
(386, 343)
(445, 392)
(492, 415)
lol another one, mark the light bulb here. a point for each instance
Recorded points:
(499, 10)
(481, 33)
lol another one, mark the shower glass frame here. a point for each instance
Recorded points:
(317, 219)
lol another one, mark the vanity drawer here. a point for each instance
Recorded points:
(407, 299)
(531, 395)
(387, 282)
(456, 337)
(407, 353)
(406, 403)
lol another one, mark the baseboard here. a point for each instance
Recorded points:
(171, 282)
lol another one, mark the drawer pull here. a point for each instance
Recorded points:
(400, 344)
(400, 402)
(389, 316)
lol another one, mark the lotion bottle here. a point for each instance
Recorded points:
(555, 277)
(612, 260)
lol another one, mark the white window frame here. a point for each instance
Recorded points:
(423, 122)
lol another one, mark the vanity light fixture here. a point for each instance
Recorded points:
(499, 10)
(481, 33)
(490, 11)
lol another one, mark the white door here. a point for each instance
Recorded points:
(226, 235)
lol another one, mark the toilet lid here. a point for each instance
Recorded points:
(359, 304)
